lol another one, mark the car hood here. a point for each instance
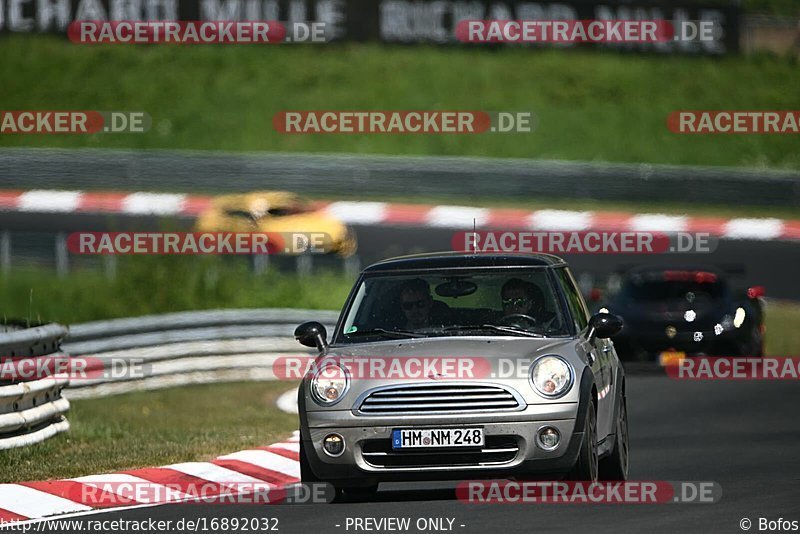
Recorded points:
(497, 360)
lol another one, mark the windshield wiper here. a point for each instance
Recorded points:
(496, 328)
(394, 334)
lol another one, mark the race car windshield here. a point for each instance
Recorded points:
(661, 290)
(485, 304)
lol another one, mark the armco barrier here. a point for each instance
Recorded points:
(187, 348)
(31, 411)
(392, 176)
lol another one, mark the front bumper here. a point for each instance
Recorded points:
(510, 448)
(654, 340)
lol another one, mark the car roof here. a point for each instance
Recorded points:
(645, 271)
(461, 260)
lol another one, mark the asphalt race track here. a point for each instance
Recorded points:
(743, 435)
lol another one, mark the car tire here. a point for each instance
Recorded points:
(355, 494)
(307, 476)
(757, 340)
(586, 467)
(615, 465)
(341, 493)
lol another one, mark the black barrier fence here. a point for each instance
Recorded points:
(394, 21)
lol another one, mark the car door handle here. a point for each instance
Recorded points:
(607, 348)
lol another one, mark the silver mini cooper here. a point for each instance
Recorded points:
(454, 367)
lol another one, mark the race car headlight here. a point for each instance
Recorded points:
(329, 384)
(551, 376)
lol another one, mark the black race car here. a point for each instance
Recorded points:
(672, 313)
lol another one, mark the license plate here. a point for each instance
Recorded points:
(669, 358)
(437, 437)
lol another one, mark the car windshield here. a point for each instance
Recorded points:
(675, 285)
(454, 303)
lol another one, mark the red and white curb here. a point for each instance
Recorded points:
(275, 466)
(394, 214)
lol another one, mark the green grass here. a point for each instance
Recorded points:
(591, 106)
(783, 329)
(147, 285)
(192, 423)
(772, 7)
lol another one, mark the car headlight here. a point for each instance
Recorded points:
(726, 322)
(551, 376)
(329, 383)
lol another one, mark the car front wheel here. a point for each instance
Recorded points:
(586, 468)
(307, 476)
(615, 465)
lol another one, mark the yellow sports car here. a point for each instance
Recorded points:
(284, 215)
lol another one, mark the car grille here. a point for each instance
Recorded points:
(497, 450)
(440, 398)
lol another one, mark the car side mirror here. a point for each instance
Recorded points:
(755, 292)
(604, 325)
(312, 334)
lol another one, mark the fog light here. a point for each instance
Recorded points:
(333, 445)
(548, 438)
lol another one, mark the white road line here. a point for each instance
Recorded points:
(49, 201)
(215, 473)
(457, 217)
(294, 447)
(288, 401)
(658, 222)
(358, 212)
(267, 460)
(153, 203)
(561, 220)
(30, 502)
(765, 229)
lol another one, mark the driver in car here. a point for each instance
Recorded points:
(524, 298)
(419, 307)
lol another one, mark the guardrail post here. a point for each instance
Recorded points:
(110, 265)
(260, 263)
(352, 265)
(5, 251)
(304, 264)
(62, 255)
